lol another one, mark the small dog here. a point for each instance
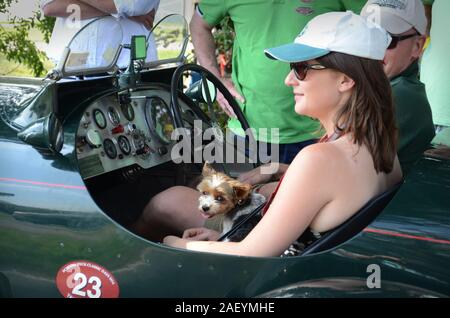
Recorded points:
(221, 194)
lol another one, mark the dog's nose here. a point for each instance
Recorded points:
(205, 208)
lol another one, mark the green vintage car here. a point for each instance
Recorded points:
(83, 151)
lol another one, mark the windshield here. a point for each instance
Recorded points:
(88, 51)
(87, 54)
(169, 37)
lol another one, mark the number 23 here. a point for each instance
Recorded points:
(96, 285)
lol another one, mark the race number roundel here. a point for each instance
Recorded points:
(84, 279)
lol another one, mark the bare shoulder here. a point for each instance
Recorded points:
(315, 165)
(321, 155)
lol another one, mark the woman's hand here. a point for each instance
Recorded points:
(194, 234)
(175, 241)
(201, 234)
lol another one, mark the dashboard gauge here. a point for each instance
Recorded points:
(159, 119)
(93, 138)
(124, 145)
(110, 148)
(99, 118)
(113, 116)
(127, 111)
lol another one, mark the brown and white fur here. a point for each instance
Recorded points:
(221, 194)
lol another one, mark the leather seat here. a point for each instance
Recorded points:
(354, 225)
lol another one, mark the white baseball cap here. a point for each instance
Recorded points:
(343, 32)
(397, 16)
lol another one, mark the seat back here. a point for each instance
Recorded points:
(355, 224)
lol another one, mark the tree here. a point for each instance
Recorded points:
(15, 43)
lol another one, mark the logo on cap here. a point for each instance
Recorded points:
(304, 10)
(394, 4)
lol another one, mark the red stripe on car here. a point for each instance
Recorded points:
(413, 237)
(53, 185)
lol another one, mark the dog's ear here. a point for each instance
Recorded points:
(242, 191)
(207, 170)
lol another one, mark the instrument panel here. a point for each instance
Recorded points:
(125, 129)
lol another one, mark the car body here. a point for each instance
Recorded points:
(66, 206)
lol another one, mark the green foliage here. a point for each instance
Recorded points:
(164, 37)
(15, 41)
(5, 4)
(221, 117)
(224, 38)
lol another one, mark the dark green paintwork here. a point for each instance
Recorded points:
(44, 227)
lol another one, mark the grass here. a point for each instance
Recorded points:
(168, 54)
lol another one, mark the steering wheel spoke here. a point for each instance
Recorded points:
(206, 88)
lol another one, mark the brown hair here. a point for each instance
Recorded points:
(369, 113)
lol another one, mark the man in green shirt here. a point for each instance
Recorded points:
(257, 83)
(435, 66)
(406, 22)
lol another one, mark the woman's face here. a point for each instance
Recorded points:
(318, 94)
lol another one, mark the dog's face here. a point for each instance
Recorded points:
(220, 193)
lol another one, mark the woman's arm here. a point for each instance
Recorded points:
(303, 193)
(63, 9)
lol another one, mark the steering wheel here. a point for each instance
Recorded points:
(210, 120)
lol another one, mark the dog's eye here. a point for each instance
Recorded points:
(219, 198)
(205, 193)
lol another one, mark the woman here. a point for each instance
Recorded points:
(337, 77)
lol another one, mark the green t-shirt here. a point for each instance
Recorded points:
(435, 65)
(261, 24)
(413, 117)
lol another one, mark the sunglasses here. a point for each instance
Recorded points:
(396, 39)
(300, 69)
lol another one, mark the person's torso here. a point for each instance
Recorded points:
(101, 34)
(413, 116)
(355, 182)
(261, 24)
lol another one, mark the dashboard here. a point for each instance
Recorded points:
(126, 129)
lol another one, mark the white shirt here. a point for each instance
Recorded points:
(102, 34)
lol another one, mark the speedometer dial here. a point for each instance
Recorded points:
(159, 119)
(127, 111)
(113, 116)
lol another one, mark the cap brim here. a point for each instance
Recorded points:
(294, 52)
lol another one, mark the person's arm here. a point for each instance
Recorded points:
(203, 41)
(146, 20)
(205, 51)
(306, 188)
(61, 8)
(264, 174)
(106, 6)
(201, 234)
(135, 8)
